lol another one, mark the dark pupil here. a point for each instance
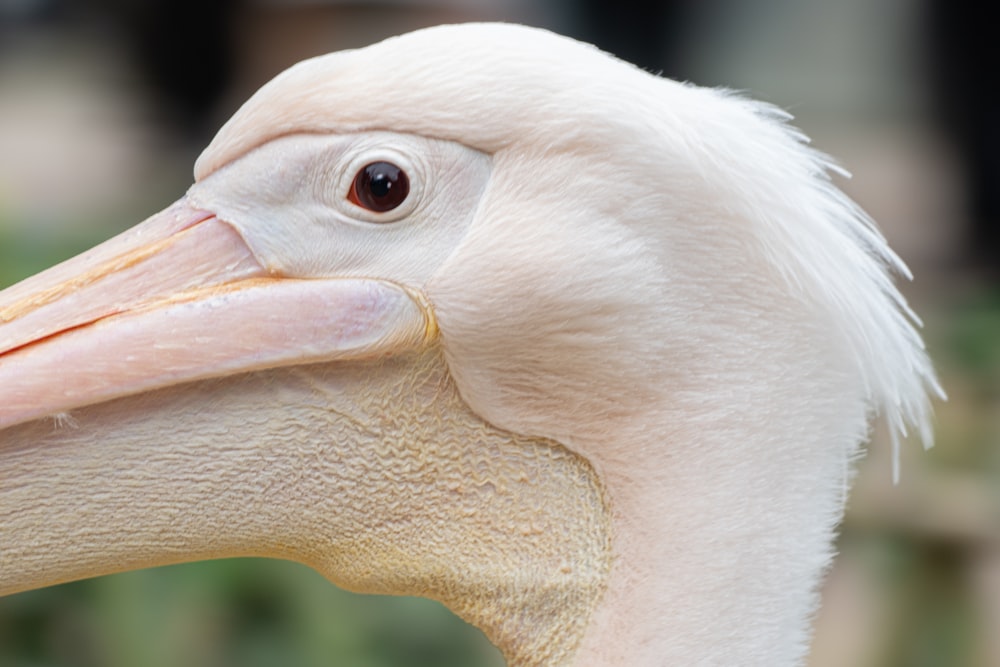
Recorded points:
(381, 186)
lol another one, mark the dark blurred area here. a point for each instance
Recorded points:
(185, 49)
(962, 62)
(104, 105)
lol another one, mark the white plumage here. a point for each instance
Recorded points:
(645, 299)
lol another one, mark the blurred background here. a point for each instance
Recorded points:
(104, 104)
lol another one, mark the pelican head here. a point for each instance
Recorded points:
(482, 314)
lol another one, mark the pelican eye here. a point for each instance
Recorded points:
(379, 187)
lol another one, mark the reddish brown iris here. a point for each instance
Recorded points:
(379, 187)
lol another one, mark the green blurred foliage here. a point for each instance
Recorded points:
(23, 254)
(230, 613)
(965, 342)
(975, 338)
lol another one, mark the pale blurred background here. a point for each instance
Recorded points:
(104, 104)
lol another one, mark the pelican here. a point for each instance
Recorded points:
(482, 314)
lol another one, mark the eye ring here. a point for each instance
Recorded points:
(379, 187)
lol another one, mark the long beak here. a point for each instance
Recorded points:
(376, 474)
(181, 298)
